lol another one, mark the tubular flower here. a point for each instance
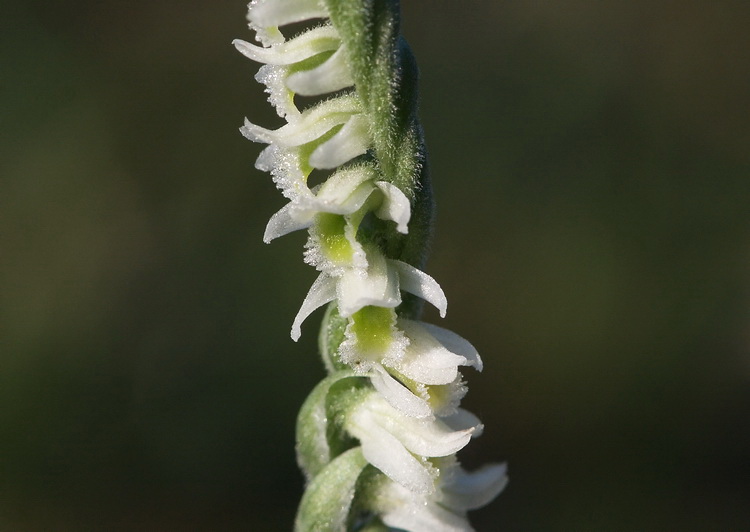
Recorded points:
(377, 438)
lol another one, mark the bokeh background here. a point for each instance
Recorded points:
(591, 162)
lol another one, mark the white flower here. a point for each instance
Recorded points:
(312, 125)
(331, 211)
(443, 510)
(400, 445)
(427, 379)
(379, 285)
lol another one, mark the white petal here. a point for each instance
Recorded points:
(322, 291)
(285, 222)
(385, 452)
(348, 205)
(425, 437)
(265, 13)
(306, 45)
(469, 491)
(426, 360)
(462, 420)
(378, 285)
(420, 284)
(431, 438)
(350, 141)
(311, 124)
(332, 75)
(427, 517)
(293, 133)
(395, 207)
(455, 344)
(345, 191)
(398, 395)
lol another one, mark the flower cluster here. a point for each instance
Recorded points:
(395, 386)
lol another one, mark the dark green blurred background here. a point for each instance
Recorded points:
(591, 163)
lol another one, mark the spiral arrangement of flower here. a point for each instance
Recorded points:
(377, 438)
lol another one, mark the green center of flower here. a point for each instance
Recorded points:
(333, 241)
(372, 326)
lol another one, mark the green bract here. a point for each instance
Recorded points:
(325, 505)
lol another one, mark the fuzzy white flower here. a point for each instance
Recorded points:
(379, 285)
(311, 129)
(427, 381)
(334, 211)
(456, 492)
(399, 445)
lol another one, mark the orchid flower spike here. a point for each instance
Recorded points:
(377, 438)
